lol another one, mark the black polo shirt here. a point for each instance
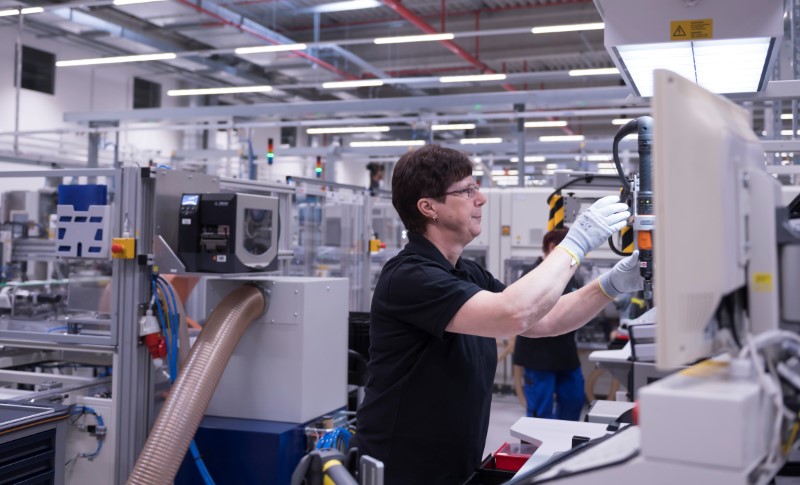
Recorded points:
(426, 409)
(559, 353)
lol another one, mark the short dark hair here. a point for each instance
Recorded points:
(425, 172)
(553, 237)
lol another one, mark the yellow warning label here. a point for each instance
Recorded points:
(706, 368)
(762, 282)
(691, 29)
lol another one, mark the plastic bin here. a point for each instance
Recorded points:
(511, 456)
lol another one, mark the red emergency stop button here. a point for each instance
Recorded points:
(117, 248)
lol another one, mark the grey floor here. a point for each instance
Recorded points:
(506, 410)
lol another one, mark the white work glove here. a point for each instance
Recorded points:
(623, 278)
(593, 227)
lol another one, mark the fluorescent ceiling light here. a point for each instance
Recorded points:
(413, 38)
(721, 66)
(129, 2)
(116, 60)
(475, 77)
(621, 121)
(387, 143)
(605, 165)
(568, 28)
(788, 132)
(598, 157)
(786, 116)
(528, 158)
(28, 10)
(505, 172)
(6, 13)
(552, 165)
(352, 84)
(479, 141)
(347, 129)
(594, 72)
(562, 138)
(545, 124)
(228, 90)
(270, 48)
(454, 126)
(344, 6)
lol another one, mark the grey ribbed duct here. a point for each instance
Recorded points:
(189, 397)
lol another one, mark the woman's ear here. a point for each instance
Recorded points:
(427, 208)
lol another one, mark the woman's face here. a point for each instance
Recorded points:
(461, 212)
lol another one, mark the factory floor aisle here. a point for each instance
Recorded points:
(506, 410)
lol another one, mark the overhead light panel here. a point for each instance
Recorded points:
(787, 116)
(479, 141)
(387, 143)
(711, 46)
(9, 12)
(363, 83)
(529, 158)
(471, 78)
(788, 132)
(621, 121)
(605, 71)
(270, 48)
(598, 157)
(562, 138)
(403, 39)
(545, 124)
(568, 28)
(347, 129)
(117, 60)
(27, 10)
(227, 90)
(130, 2)
(343, 6)
(453, 126)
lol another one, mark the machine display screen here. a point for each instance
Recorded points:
(190, 199)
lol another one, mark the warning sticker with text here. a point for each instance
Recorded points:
(691, 29)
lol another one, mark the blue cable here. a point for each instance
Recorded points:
(331, 438)
(79, 410)
(172, 310)
(57, 329)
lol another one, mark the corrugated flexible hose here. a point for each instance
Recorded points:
(189, 397)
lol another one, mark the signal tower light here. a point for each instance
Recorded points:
(318, 168)
(270, 152)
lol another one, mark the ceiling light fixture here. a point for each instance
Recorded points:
(788, 132)
(713, 47)
(116, 60)
(474, 77)
(786, 116)
(454, 126)
(130, 2)
(598, 157)
(270, 48)
(545, 124)
(387, 143)
(227, 90)
(620, 121)
(479, 141)
(27, 10)
(414, 38)
(348, 129)
(528, 158)
(562, 138)
(568, 28)
(352, 84)
(344, 6)
(594, 72)
(7, 13)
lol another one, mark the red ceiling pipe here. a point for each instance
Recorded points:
(477, 37)
(452, 14)
(243, 28)
(444, 15)
(449, 44)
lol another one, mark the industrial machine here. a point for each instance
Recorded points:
(732, 418)
(228, 233)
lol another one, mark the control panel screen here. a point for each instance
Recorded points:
(190, 199)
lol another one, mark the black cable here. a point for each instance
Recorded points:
(587, 178)
(629, 128)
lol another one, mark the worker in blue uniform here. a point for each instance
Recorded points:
(435, 317)
(552, 377)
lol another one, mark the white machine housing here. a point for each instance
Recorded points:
(291, 364)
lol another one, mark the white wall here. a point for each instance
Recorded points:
(83, 88)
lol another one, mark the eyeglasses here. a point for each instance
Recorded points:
(470, 190)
